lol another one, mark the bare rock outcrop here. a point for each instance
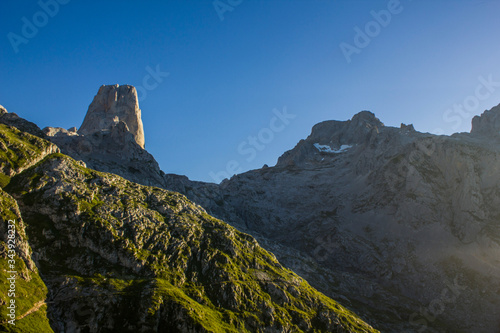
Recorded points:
(59, 131)
(112, 105)
(488, 124)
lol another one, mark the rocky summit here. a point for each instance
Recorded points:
(488, 124)
(400, 227)
(111, 137)
(114, 106)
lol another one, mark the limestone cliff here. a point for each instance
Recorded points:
(113, 105)
(488, 124)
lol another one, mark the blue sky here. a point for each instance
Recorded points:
(431, 63)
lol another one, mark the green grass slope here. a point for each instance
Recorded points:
(30, 291)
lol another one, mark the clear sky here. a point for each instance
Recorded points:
(234, 65)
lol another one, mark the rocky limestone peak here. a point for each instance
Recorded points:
(366, 118)
(112, 105)
(2, 110)
(407, 128)
(488, 124)
(346, 132)
(333, 137)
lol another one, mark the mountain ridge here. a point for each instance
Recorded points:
(387, 219)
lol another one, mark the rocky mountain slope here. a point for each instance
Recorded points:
(400, 225)
(403, 224)
(98, 253)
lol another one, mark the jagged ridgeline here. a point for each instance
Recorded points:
(98, 253)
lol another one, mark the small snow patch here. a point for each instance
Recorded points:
(328, 149)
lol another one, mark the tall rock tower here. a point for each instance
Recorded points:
(112, 105)
(111, 138)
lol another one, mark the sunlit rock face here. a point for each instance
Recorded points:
(112, 105)
(111, 138)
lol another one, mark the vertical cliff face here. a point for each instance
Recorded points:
(111, 137)
(488, 124)
(112, 105)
